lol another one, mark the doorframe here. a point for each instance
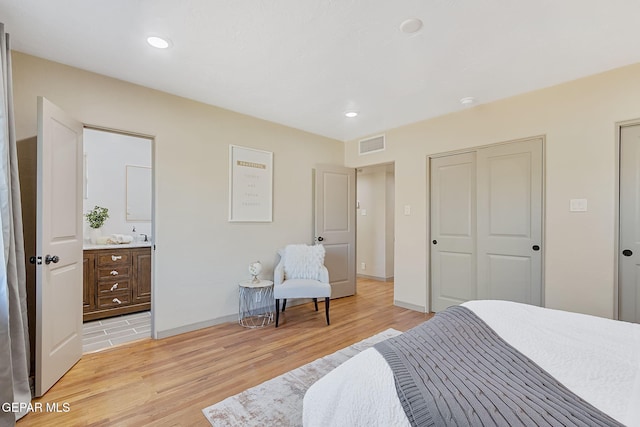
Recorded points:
(543, 137)
(154, 207)
(369, 166)
(616, 216)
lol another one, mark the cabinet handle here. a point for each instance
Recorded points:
(115, 258)
(117, 301)
(114, 287)
(113, 273)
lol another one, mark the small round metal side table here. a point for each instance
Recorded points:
(256, 303)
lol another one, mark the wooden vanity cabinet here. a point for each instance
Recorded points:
(116, 281)
(88, 282)
(141, 267)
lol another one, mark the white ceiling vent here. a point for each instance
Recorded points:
(371, 145)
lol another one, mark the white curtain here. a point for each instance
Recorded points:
(14, 332)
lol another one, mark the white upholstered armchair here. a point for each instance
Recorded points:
(301, 274)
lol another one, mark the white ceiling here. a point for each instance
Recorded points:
(303, 63)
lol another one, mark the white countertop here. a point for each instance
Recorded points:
(88, 246)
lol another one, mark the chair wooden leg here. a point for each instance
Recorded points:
(326, 308)
(284, 304)
(278, 311)
(315, 302)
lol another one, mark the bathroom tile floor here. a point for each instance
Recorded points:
(101, 334)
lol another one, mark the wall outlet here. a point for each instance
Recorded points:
(363, 266)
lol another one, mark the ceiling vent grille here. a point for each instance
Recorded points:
(371, 145)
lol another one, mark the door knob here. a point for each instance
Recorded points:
(51, 259)
(435, 242)
(535, 247)
(320, 238)
(627, 252)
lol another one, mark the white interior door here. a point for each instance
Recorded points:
(335, 225)
(453, 230)
(58, 245)
(629, 257)
(510, 222)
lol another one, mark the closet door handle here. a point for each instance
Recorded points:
(435, 242)
(535, 247)
(627, 252)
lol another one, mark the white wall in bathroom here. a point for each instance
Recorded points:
(107, 155)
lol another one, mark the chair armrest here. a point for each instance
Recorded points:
(324, 275)
(278, 274)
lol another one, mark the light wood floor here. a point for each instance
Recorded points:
(168, 382)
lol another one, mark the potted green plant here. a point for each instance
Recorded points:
(96, 219)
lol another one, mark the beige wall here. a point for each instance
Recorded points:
(578, 120)
(200, 256)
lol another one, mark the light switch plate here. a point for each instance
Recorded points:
(578, 205)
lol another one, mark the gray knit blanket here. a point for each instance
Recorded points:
(454, 370)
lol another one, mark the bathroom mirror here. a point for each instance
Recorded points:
(138, 193)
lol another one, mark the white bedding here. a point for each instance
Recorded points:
(598, 359)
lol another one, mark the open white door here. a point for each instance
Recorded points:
(58, 245)
(335, 225)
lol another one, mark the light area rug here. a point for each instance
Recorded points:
(278, 401)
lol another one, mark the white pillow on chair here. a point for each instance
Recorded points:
(303, 261)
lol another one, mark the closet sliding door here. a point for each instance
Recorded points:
(453, 230)
(495, 208)
(510, 222)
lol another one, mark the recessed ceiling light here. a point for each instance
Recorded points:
(351, 114)
(158, 42)
(410, 26)
(468, 101)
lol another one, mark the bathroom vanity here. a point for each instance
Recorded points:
(117, 279)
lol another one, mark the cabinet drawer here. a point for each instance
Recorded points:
(112, 286)
(116, 299)
(118, 257)
(114, 272)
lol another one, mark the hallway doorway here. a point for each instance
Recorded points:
(375, 217)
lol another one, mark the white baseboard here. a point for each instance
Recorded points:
(195, 326)
(408, 306)
(380, 279)
(212, 322)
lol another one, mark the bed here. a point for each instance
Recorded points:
(489, 363)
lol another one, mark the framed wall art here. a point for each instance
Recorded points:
(250, 185)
